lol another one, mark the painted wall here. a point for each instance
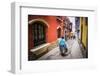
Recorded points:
(84, 31)
(51, 29)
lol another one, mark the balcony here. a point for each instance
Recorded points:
(59, 18)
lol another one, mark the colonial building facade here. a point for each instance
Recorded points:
(43, 31)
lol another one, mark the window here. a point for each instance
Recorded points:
(38, 30)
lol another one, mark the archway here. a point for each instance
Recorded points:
(37, 31)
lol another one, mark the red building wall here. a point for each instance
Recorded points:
(51, 31)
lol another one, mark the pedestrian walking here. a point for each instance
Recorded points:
(62, 46)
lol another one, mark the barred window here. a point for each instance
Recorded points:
(38, 29)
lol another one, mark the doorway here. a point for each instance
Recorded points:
(59, 32)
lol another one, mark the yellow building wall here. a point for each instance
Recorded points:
(80, 26)
(84, 31)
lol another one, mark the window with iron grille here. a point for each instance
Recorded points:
(38, 29)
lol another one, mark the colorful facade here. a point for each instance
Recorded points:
(44, 29)
(84, 31)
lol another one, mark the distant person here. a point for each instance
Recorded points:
(74, 37)
(71, 35)
(62, 46)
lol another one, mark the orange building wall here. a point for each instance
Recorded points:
(51, 31)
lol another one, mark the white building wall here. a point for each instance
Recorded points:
(72, 19)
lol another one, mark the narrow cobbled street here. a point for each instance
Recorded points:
(46, 34)
(74, 51)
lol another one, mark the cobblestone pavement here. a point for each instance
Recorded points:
(74, 52)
